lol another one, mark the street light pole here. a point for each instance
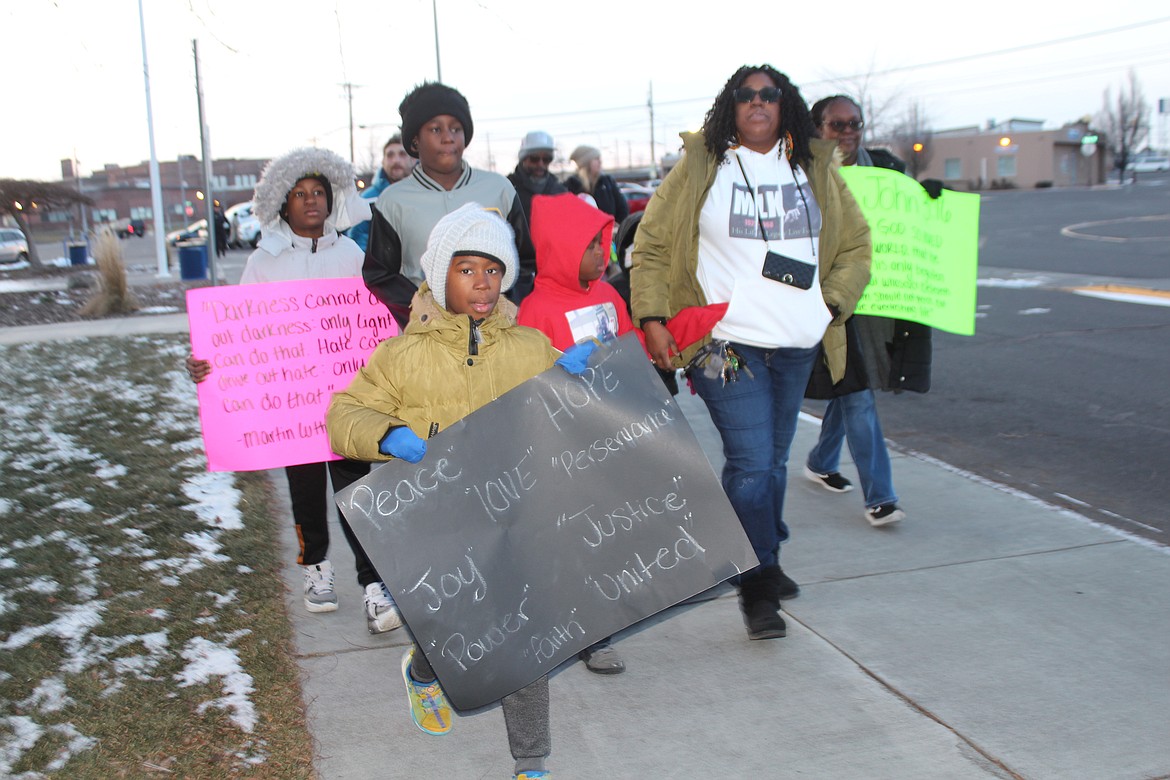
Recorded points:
(435, 16)
(160, 246)
(205, 143)
(653, 159)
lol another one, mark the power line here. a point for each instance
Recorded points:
(870, 74)
(1012, 50)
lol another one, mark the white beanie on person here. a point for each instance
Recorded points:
(470, 229)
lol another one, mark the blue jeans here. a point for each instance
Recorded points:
(853, 418)
(756, 418)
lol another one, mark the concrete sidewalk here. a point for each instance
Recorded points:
(988, 635)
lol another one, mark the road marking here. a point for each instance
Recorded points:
(1124, 294)
(1074, 231)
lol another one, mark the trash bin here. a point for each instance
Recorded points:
(78, 254)
(192, 261)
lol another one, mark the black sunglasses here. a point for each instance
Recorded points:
(747, 94)
(541, 158)
(839, 125)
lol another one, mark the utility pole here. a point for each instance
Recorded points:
(209, 190)
(160, 246)
(435, 16)
(349, 99)
(80, 206)
(653, 157)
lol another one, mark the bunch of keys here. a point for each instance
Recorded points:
(719, 359)
(732, 365)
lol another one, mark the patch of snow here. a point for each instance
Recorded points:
(24, 734)
(109, 471)
(216, 499)
(207, 660)
(74, 621)
(48, 696)
(73, 505)
(43, 585)
(223, 599)
(77, 743)
(208, 546)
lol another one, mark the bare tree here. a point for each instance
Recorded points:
(19, 194)
(877, 106)
(911, 139)
(1126, 121)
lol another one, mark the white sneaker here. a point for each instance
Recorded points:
(382, 613)
(319, 593)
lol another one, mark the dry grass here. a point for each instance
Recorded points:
(116, 558)
(114, 295)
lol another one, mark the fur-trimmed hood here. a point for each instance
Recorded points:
(279, 177)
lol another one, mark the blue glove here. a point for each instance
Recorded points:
(403, 443)
(576, 358)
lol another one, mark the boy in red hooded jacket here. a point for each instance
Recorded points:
(571, 303)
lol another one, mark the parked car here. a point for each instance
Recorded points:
(130, 227)
(1150, 164)
(194, 231)
(245, 227)
(13, 246)
(637, 195)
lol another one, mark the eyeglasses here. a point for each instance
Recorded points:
(540, 158)
(840, 125)
(747, 94)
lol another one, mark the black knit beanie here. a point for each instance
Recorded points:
(428, 101)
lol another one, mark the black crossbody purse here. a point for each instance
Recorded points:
(778, 267)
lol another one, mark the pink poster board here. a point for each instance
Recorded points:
(278, 352)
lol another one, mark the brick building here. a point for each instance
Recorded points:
(124, 193)
(1016, 153)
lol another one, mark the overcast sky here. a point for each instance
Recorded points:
(273, 71)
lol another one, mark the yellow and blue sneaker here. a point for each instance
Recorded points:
(533, 774)
(428, 705)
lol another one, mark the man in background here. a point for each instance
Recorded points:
(396, 166)
(531, 176)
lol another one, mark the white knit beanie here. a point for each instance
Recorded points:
(470, 229)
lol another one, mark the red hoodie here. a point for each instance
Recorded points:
(562, 227)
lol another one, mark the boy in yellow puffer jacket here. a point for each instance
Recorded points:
(461, 350)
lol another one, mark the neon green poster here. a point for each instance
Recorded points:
(925, 252)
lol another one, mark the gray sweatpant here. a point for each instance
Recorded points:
(525, 717)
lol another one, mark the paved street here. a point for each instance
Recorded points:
(1059, 394)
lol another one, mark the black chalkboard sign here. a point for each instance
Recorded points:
(560, 513)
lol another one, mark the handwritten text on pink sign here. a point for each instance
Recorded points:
(278, 352)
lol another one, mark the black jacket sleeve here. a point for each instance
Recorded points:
(621, 209)
(524, 248)
(382, 269)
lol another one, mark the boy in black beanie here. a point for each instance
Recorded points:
(436, 128)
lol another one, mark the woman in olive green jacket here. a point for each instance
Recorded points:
(753, 191)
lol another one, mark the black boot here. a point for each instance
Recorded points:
(759, 598)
